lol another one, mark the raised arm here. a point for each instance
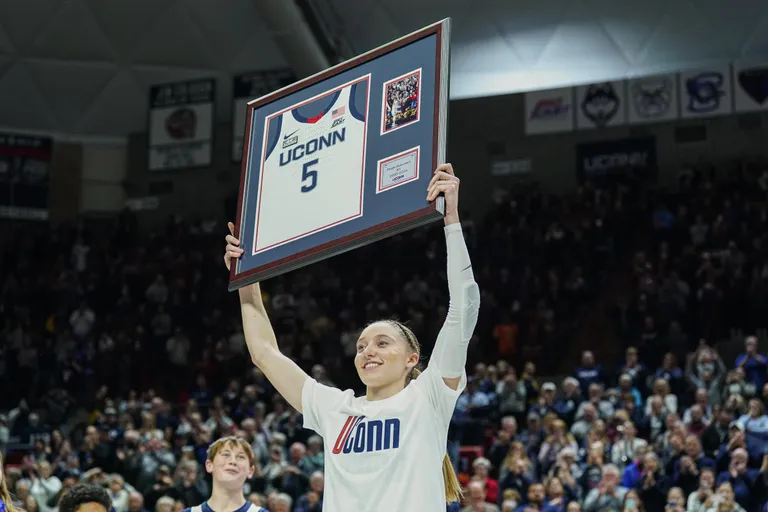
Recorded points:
(281, 371)
(450, 352)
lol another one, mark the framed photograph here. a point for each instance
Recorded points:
(343, 158)
(401, 102)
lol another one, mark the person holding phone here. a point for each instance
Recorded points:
(675, 500)
(699, 497)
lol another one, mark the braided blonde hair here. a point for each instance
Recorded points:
(453, 491)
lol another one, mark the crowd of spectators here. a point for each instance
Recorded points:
(673, 426)
(122, 358)
(640, 438)
(704, 270)
(122, 354)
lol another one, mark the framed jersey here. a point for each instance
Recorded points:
(343, 158)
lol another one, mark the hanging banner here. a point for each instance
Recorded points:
(601, 105)
(653, 99)
(706, 92)
(181, 125)
(750, 82)
(549, 111)
(25, 162)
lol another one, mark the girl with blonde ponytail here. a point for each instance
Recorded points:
(385, 451)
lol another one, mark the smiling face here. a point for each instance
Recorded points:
(229, 462)
(384, 355)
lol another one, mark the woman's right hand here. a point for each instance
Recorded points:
(249, 295)
(233, 250)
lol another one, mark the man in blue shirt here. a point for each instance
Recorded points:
(754, 364)
(589, 372)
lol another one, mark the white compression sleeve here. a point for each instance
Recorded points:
(450, 352)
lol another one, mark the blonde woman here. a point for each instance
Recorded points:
(164, 504)
(516, 461)
(517, 470)
(6, 503)
(558, 440)
(119, 492)
(593, 470)
(510, 500)
(568, 470)
(662, 390)
(599, 433)
(723, 500)
(407, 468)
(148, 429)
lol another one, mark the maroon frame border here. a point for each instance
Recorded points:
(238, 280)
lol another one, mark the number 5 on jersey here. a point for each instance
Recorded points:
(310, 175)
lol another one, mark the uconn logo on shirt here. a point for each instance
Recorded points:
(358, 436)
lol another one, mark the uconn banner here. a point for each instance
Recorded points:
(181, 125)
(24, 176)
(631, 159)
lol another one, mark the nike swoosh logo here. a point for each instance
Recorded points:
(465, 268)
(289, 135)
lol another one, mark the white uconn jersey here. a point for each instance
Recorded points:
(312, 175)
(386, 455)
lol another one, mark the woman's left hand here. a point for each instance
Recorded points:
(445, 181)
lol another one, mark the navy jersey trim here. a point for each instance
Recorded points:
(306, 120)
(206, 508)
(275, 140)
(360, 116)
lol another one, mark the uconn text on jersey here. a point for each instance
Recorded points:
(358, 436)
(313, 146)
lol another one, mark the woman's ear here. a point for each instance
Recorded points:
(412, 360)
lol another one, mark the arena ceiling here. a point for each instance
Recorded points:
(504, 46)
(85, 66)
